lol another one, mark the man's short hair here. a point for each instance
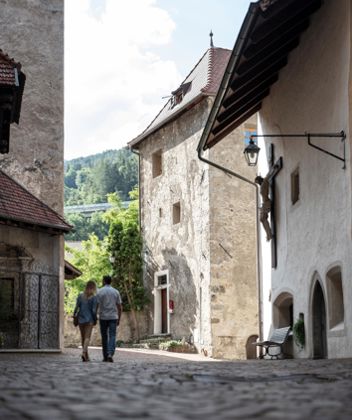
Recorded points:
(259, 179)
(107, 279)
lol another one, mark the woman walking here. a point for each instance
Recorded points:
(86, 311)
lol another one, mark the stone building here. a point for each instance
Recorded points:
(292, 63)
(31, 247)
(198, 223)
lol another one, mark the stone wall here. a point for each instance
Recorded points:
(32, 33)
(178, 249)
(233, 248)
(214, 295)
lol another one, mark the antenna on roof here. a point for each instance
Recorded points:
(211, 39)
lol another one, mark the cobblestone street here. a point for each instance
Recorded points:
(149, 385)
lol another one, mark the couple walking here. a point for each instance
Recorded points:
(106, 303)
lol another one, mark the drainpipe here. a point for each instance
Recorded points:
(242, 178)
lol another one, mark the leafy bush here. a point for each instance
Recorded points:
(299, 333)
(177, 346)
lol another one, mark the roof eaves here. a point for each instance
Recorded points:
(64, 227)
(149, 131)
(136, 141)
(233, 61)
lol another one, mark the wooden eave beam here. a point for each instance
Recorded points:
(264, 61)
(280, 32)
(280, 13)
(213, 139)
(265, 71)
(239, 111)
(29, 226)
(257, 83)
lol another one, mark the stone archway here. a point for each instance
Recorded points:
(319, 323)
(283, 310)
(283, 317)
(251, 349)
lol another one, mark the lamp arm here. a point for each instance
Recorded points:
(308, 136)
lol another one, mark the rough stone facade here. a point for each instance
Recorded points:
(232, 221)
(203, 281)
(32, 33)
(313, 274)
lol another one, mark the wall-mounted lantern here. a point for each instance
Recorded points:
(251, 153)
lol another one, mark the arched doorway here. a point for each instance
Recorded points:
(283, 317)
(319, 323)
(283, 311)
(251, 349)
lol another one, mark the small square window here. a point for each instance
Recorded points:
(176, 213)
(295, 186)
(157, 164)
(162, 280)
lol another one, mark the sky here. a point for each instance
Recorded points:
(123, 57)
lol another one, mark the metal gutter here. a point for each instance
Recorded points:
(246, 27)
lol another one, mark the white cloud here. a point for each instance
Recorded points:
(113, 80)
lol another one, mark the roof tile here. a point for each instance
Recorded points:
(19, 205)
(8, 68)
(204, 79)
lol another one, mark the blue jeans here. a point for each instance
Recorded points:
(108, 336)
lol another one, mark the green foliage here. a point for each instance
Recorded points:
(123, 242)
(299, 333)
(86, 226)
(94, 263)
(179, 346)
(89, 179)
(125, 245)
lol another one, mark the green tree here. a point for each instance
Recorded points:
(93, 261)
(125, 246)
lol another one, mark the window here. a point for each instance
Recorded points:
(335, 298)
(160, 212)
(178, 94)
(157, 163)
(176, 213)
(162, 280)
(295, 186)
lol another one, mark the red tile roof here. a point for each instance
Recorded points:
(9, 70)
(18, 206)
(204, 80)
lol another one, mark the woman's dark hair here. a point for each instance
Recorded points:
(107, 279)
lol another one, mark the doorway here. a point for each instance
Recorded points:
(161, 303)
(9, 313)
(283, 317)
(319, 323)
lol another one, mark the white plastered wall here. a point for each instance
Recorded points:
(314, 234)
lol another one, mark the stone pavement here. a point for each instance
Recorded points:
(148, 385)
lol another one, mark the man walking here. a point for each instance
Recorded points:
(110, 309)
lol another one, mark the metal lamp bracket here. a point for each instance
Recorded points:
(308, 136)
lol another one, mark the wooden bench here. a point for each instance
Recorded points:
(278, 338)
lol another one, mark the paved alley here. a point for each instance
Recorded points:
(148, 385)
